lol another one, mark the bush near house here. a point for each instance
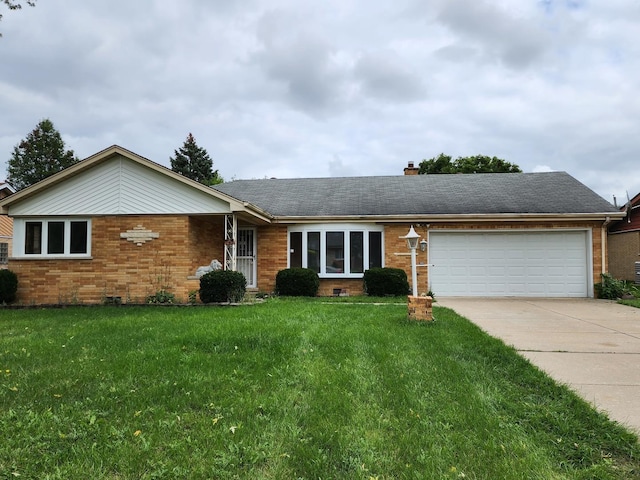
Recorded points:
(8, 286)
(222, 286)
(381, 282)
(297, 282)
(610, 288)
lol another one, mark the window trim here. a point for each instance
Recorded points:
(346, 229)
(19, 238)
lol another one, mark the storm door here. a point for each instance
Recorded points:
(246, 255)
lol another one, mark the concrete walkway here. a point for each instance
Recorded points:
(593, 346)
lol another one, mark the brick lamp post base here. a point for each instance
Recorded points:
(420, 308)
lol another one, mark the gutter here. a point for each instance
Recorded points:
(451, 218)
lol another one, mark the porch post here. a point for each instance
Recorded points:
(230, 237)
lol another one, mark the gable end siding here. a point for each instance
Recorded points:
(119, 187)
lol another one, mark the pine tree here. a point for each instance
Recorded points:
(39, 156)
(195, 163)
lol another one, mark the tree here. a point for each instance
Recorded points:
(474, 164)
(39, 156)
(14, 5)
(195, 163)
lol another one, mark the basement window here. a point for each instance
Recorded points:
(4, 253)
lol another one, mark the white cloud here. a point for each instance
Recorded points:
(542, 168)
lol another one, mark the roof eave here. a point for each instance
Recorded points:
(256, 213)
(450, 218)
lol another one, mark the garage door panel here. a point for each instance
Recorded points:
(514, 263)
(459, 271)
(557, 271)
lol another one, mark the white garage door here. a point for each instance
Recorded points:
(527, 264)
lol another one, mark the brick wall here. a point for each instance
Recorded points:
(624, 251)
(350, 286)
(122, 268)
(272, 255)
(206, 240)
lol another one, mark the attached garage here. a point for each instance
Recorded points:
(514, 263)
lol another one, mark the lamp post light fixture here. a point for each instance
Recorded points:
(412, 240)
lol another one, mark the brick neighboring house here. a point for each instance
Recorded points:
(117, 224)
(6, 227)
(624, 243)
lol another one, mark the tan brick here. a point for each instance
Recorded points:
(121, 268)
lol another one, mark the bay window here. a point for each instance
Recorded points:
(345, 250)
(52, 237)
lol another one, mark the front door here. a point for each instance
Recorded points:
(246, 255)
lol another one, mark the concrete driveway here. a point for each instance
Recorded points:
(593, 346)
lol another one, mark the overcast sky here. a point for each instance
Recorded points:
(294, 88)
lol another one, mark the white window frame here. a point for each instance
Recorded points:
(19, 231)
(346, 229)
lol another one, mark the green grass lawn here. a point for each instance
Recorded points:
(286, 389)
(632, 303)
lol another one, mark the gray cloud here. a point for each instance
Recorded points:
(385, 77)
(333, 88)
(501, 35)
(301, 64)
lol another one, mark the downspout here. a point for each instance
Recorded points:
(603, 243)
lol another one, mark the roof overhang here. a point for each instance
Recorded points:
(456, 218)
(245, 209)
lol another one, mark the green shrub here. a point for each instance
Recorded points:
(222, 286)
(609, 288)
(8, 286)
(297, 282)
(381, 282)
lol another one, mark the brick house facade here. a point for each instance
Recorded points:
(624, 243)
(160, 227)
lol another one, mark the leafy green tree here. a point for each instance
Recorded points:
(14, 5)
(195, 163)
(439, 164)
(39, 156)
(474, 164)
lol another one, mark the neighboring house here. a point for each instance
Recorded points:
(6, 227)
(119, 225)
(624, 243)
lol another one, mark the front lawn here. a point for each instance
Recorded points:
(283, 390)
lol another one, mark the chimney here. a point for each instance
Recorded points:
(411, 170)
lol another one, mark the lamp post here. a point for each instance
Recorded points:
(412, 240)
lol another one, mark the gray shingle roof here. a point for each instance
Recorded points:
(490, 193)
